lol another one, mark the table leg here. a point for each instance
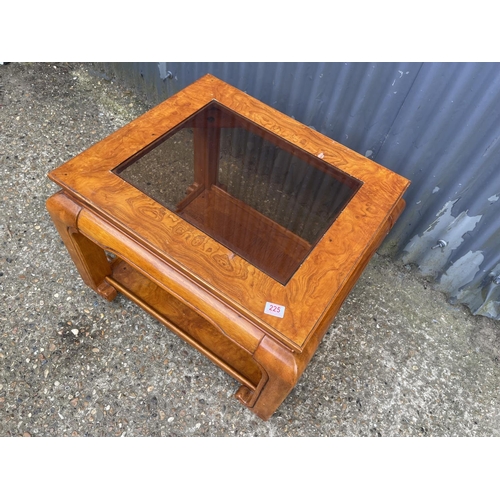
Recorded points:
(281, 374)
(206, 142)
(90, 259)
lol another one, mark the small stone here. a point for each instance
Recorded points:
(26, 435)
(74, 402)
(95, 349)
(56, 383)
(170, 419)
(162, 415)
(150, 388)
(74, 331)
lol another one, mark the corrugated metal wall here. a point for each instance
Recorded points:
(437, 124)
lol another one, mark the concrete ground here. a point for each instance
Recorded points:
(398, 360)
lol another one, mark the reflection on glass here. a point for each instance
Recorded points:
(255, 193)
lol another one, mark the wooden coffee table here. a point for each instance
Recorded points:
(237, 227)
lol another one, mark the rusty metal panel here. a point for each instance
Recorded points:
(436, 123)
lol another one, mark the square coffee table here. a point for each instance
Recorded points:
(237, 227)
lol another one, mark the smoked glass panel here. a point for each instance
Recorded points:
(258, 195)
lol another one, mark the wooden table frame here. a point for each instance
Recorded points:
(200, 289)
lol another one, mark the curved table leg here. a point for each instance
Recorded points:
(280, 375)
(90, 259)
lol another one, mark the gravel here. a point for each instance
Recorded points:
(399, 360)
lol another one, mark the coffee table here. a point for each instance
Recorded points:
(235, 226)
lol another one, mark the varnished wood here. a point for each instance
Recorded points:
(206, 149)
(89, 259)
(178, 284)
(167, 264)
(192, 192)
(199, 331)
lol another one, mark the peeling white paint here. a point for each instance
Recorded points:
(459, 280)
(460, 273)
(162, 68)
(445, 227)
(435, 190)
(489, 308)
(401, 73)
(487, 302)
(368, 153)
(493, 198)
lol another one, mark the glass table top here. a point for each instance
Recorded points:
(261, 197)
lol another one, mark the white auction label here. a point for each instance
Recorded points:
(274, 310)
